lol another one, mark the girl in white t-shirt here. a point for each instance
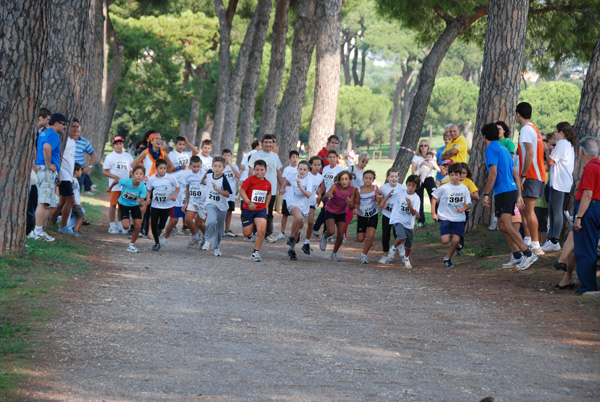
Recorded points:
(298, 188)
(316, 165)
(390, 191)
(367, 212)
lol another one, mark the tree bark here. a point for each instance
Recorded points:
(258, 26)
(499, 91)
(406, 105)
(401, 86)
(190, 128)
(290, 110)
(345, 55)
(268, 116)
(322, 124)
(118, 54)
(454, 28)
(24, 27)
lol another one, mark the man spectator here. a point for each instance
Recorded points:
(84, 147)
(42, 124)
(47, 163)
(586, 225)
(332, 144)
(457, 148)
(503, 178)
(273, 176)
(532, 171)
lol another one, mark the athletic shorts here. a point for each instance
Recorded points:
(533, 188)
(46, 186)
(504, 203)
(284, 209)
(114, 198)
(176, 213)
(400, 232)
(65, 188)
(448, 227)
(231, 206)
(136, 212)
(77, 212)
(200, 209)
(336, 217)
(249, 216)
(363, 223)
(542, 217)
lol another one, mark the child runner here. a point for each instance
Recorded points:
(131, 202)
(180, 158)
(340, 195)
(329, 173)
(454, 199)
(367, 211)
(294, 157)
(195, 198)
(389, 191)
(256, 194)
(205, 150)
(117, 166)
(77, 210)
(164, 188)
(297, 188)
(316, 165)
(217, 195)
(404, 213)
(232, 173)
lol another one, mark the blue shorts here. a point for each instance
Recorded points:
(448, 227)
(249, 216)
(177, 213)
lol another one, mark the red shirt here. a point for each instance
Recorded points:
(323, 154)
(590, 180)
(257, 191)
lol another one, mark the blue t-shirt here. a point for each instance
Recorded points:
(497, 155)
(83, 147)
(438, 156)
(129, 194)
(51, 137)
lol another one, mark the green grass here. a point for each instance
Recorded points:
(29, 283)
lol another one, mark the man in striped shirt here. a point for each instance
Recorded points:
(83, 147)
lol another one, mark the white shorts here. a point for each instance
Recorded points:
(200, 209)
(46, 186)
(304, 214)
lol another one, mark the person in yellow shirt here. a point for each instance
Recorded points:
(457, 147)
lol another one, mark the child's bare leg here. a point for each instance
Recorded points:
(369, 242)
(297, 225)
(341, 227)
(261, 230)
(112, 211)
(228, 221)
(137, 225)
(248, 230)
(189, 222)
(78, 225)
(170, 226)
(360, 237)
(284, 219)
(453, 246)
(311, 223)
(329, 228)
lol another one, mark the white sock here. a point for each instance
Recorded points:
(38, 229)
(535, 244)
(120, 225)
(393, 248)
(306, 241)
(113, 225)
(132, 244)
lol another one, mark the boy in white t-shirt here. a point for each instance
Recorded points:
(195, 198)
(217, 195)
(205, 150)
(294, 157)
(181, 161)
(329, 173)
(179, 156)
(402, 218)
(117, 166)
(232, 173)
(454, 199)
(77, 210)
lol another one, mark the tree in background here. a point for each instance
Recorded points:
(552, 102)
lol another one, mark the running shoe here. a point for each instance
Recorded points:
(384, 260)
(332, 239)
(323, 243)
(123, 231)
(250, 238)
(390, 256)
(407, 264)
(316, 234)
(156, 247)
(113, 230)
(164, 241)
(79, 234)
(193, 241)
(31, 235)
(175, 231)
(401, 251)
(206, 246)
(549, 246)
(280, 236)
(255, 256)
(494, 224)
(271, 239)
(290, 241)
(306, 249)
(526, 262)
(334, 257)
(448, 263)
(187, 232)
(459, 250)
(229, 233)
(344, 240)
(43, 236)
(355, 238)
(132, 249)
(292, 254)
(217, 252)
(65, 230)
(364, 259)
(420, 225)
(512, 263)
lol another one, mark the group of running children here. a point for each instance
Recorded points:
(202, 190)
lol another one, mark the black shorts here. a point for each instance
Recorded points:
(505, 203)
(231, 206)
(65, 188)
(363, 223)
(284, 209)
(136, 212)
(542, 217)
(336, 217)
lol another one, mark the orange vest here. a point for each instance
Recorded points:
(537, 169)
(150, 162)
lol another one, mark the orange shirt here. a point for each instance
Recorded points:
(530, 134)
(150, 163)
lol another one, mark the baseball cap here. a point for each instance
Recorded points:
(117, 138)
(58, 117)
(448, 162)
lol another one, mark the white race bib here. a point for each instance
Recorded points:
(128, 195)
(214, 196)
(120, 165)
(259, 196)
(159, 196)
(196, 191)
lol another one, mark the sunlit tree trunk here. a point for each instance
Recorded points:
(401, 89)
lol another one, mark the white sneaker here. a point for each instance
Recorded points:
(401, 251)
(193, 241)
(512, 263)
(280, 236)
(383, 260)
(113, 230)
(332, 239)
(255, 256)
(316, 234)
(407, 264)
(391, 255)
(164, 241)
(175, 231)
(132, 249)
(323, 243)
(494, 224)
(549, 246)
(31, 235)
(229, 233)
(217, 252)
(526, 262)
(537, 250)
(334, 257)
(344, 240)
(271, 239)
(251, 238)
(364, 259)
(123, 231)
(43, 236)
(206, 246)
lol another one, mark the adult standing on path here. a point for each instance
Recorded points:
(332, 143)
(457, 147)
(586, 224)
(429, 183)
(273, 175)
(562, 163)
(47, 163)
(32, 200)
(503, 179)
(83, 147)
(531, 169)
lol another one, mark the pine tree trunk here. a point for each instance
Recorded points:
(290, 110)
(345, 59)
(110, 99)
(200, 75)
(499, 91)
(406, 105)
(322, 124)
(268, 116)
(24, 27)
(258, 26)
(401, 87)
(431, 63)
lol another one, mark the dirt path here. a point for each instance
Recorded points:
(183, 325)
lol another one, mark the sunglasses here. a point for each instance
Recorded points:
(424, 146)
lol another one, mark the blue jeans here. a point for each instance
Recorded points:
(586, 243)
(85, 182)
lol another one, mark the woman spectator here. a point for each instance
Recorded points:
(561, 161)
(429, 183)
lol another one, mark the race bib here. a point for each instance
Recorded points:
(183, 160)
(214, 196)
(370, 212)
(128, 195)
(259, 196)
(120, 165)
(229, 175)
(159, 196)
(389, 207)
(456, 199)
(196, 191)
(404, 208)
